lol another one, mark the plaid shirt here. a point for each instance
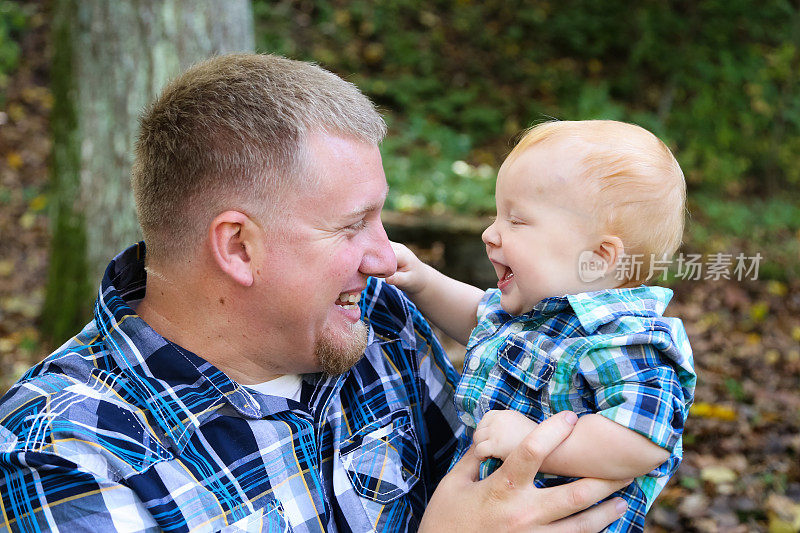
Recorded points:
(122, 430)
(607, 352)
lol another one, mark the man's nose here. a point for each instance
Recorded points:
(379, 259)
(490, 235)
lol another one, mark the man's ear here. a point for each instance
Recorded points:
(231, 237)
(610, 250)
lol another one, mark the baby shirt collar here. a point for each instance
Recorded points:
(597, 308)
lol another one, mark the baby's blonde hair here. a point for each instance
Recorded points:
(637, 184)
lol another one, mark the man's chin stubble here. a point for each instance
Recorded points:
(337, 352)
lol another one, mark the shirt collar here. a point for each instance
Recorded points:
(550, 306)
(597, 308)
(179, 388)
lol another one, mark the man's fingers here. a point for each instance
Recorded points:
(524, 461)
(467, 466)
(570, 498)
(592, 520)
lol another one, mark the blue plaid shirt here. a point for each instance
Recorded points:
(122, 430)
(609, 352)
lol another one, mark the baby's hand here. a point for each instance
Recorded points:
(500, 432)
(410, 275)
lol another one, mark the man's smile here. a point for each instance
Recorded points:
(349, 300)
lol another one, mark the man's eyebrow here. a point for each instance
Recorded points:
(369, 207)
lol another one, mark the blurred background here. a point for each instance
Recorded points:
(457, 80)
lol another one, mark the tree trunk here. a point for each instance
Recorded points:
(110, 59)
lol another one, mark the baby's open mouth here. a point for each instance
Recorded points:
(505, 276)
(348, 300)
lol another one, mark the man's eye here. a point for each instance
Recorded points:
(358, 226)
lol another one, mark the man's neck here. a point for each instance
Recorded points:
(190, 315)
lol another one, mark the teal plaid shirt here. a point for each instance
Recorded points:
(608, 352)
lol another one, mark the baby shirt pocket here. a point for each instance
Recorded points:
(526, 362)
(383, 459)
(519, 380)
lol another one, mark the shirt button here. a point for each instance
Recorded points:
(526, 361)
(516, 327)
(474, 363)
(467, 419)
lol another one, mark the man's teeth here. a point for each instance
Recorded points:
(348, 301)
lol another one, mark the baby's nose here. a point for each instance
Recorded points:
(490, 236)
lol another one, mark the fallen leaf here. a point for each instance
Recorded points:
(710, 410)
(718, 475)
(753, 339)
(7, 344)
(38, 203)
(6, 267)
(776, 288)
(759, 311)
(784, 514)
(14, 160)
(694, 505)
(27, 220)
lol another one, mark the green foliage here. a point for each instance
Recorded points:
(716, 80)
(13, 19)
(426, 162)
(766, 226)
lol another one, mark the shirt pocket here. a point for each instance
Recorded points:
(526, 362)
(383, 459)
(267, 520)
(518, 381)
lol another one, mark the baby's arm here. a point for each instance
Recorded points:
(597, 447)
(450, 304)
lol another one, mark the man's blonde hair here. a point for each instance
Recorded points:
(229, 133)
(637, 185)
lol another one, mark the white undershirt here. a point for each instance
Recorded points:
(286, 386)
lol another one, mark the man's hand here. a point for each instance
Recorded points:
(411, 273)
(500, 432)
(508, 501)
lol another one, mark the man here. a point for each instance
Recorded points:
(250, 371)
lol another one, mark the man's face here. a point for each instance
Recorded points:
(320, 255)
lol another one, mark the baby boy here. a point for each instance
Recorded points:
(586, 211)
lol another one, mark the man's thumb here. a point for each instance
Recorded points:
(467, 467)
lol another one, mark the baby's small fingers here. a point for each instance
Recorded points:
(399, 279)
(486, 420)
(480, 435)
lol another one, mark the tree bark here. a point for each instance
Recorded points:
(112, 57)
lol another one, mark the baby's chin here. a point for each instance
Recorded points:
(515, 308)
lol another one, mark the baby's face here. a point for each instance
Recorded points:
(544, 221)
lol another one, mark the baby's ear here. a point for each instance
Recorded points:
(600, 262)
(610, 250)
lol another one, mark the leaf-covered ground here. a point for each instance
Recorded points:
(742, 444)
